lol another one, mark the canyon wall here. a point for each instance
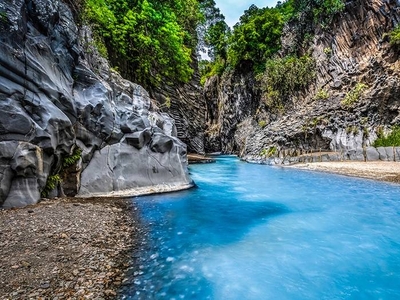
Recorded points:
(70, 125)
(352, 53)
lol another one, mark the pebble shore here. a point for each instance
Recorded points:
(70, 248)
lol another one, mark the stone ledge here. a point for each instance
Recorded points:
(143, 191)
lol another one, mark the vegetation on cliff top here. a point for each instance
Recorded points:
(148, 40)
(154, 41)
(283, 76)
(256, 38)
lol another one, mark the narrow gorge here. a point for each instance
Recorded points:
(72, 125)
(353, 59)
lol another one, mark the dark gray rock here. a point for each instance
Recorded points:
(138, 139)
(122, 167)
(372, 154)
(56, 94)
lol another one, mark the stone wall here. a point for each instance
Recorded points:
(293, 156)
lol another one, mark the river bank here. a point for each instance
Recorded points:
(70, 248)
(376, 170)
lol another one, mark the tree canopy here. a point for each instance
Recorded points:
(153, 41)
(150, 40)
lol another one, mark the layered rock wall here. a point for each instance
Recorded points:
(186, 105)
(353, 51)
(57, 95)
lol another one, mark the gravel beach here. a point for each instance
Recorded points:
(68, 248)
(376, 170)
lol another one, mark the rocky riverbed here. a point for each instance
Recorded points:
(68, 248)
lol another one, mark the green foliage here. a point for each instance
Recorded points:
(72, 159)
(352, 130)
(284, 76)
(327, 8)
(3, 17)
(322, 95)
(328, 51)
(168, 102)
(262, 124)
(270, 152)
(100, 46)
(210, 68)
(354, 95)
(213, 32)
(257, 36)
(216, 39)
(322, 11)
(54, 180)
(51, 184)
(148, 39)
(391, 140)
(395, 36)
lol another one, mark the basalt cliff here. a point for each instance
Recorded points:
(352, 54)
(69, 125)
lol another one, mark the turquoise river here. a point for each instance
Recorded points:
(260, 232)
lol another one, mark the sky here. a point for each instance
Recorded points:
(233, 9)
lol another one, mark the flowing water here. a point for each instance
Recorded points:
(260, 232)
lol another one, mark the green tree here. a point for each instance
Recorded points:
(256, 37)
(149, 40)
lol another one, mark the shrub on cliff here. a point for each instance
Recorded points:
(284, 76)
(391, 140)
(354, 95)
(395, 36)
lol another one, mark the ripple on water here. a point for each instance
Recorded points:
(259, 232)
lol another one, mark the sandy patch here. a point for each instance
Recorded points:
(377, 170)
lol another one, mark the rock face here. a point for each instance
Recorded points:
(353, 52)
(186, 105)
(57, 94)
(230, 100)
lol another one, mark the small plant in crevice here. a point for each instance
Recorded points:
(328, 51)
(395, 36)
(263, 152)
(72, 159)
(167, 102)
(352, 130)
(3, 17)
(272, 151)
(269, 152)
(321, 95)
(51, 184)
(366, 132)
(55, 179)
(262, 124)
(354, 95)
(364, 120)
